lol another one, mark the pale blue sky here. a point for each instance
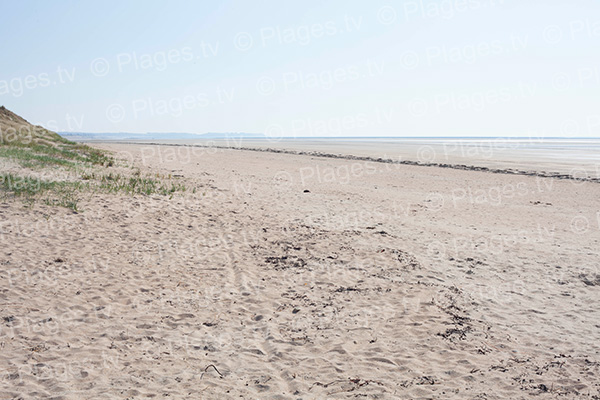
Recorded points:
(311, 68)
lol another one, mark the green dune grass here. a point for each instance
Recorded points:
(32, 155)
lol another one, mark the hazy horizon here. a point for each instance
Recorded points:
(457, 68)
(257, 136)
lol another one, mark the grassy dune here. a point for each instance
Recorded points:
(40, 165)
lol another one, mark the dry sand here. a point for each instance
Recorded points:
(382, 281)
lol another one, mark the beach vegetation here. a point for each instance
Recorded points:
(40, 165)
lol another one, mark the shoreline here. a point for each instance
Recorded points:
(462, 167)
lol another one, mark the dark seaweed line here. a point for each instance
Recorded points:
(555, 175)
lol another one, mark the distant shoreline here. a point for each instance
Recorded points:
(88, 137)
(464, 167)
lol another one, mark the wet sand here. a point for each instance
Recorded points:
(576, 157)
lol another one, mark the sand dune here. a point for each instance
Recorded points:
(288, 277)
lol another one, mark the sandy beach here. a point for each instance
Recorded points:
(314, 200)
(280, 276)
